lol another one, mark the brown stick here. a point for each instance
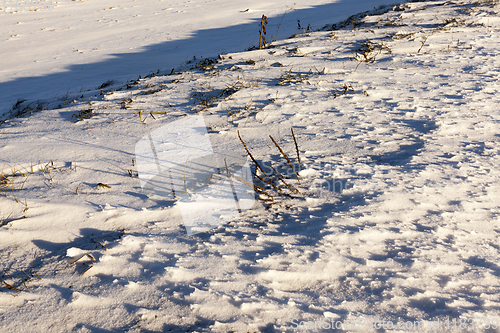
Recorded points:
(287, 159)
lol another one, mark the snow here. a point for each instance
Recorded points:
(79, 45)
(393, 214)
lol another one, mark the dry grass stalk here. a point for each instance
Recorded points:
(286, 157)
(25, 205)
(262, 39)
(9, 286)
(266, 181)
(77, 188)
(4, 221)
(255, 187)
(86, 270)
(150, 113)
(25, 180)
(280, 176)
(265, 193)
(256, 164)
(13, 191)
(296, 146)
(423, 43)
(85, 255)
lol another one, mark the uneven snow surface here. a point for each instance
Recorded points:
(396, 216)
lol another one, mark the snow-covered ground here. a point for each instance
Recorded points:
(398, 110)
(68, 46)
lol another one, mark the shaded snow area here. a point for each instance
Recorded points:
(395, 218)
